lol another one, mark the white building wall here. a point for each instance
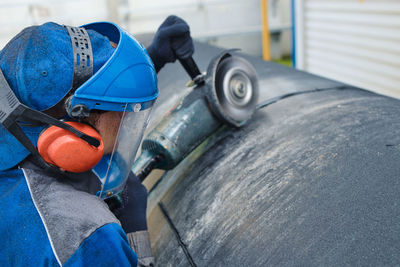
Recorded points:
(354, 41)
(226, 23)
(233, 23)
(18, 14)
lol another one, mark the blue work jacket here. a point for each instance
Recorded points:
(50, 220)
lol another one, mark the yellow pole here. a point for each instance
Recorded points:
(265, 30)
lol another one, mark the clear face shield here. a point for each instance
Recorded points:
(113, 169)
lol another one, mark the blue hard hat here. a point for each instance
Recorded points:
(38, 65)
(127, 77)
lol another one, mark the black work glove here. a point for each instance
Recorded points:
(132, 213)
(172, 41)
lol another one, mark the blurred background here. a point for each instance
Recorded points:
(353, 41)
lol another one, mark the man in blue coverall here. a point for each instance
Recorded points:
(52, 189)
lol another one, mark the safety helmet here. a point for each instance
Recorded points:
(40, 65)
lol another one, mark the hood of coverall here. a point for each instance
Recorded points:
(38, 65)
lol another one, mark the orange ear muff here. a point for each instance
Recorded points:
(67, 151)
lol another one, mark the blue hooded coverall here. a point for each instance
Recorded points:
(48, 219)
(40, 228)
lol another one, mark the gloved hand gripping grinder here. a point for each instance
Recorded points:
(227, 94)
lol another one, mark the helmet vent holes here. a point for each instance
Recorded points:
(83, 60)
(76, 42)
(88, 60)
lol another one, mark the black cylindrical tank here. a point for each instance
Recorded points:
(312, 180)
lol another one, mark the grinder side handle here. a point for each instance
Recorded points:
(191, 68)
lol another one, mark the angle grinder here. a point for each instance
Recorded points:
(226, 94)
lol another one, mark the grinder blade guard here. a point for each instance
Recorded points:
(228, 96)
(232, 88)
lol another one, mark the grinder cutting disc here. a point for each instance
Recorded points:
(232, 89)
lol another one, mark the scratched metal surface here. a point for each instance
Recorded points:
(312, 180)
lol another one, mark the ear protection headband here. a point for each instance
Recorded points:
(70, 146)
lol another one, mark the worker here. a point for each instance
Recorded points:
(98, 85)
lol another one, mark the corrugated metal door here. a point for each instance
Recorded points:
(354, 41)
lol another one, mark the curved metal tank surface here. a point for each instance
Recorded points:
(312, 180)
